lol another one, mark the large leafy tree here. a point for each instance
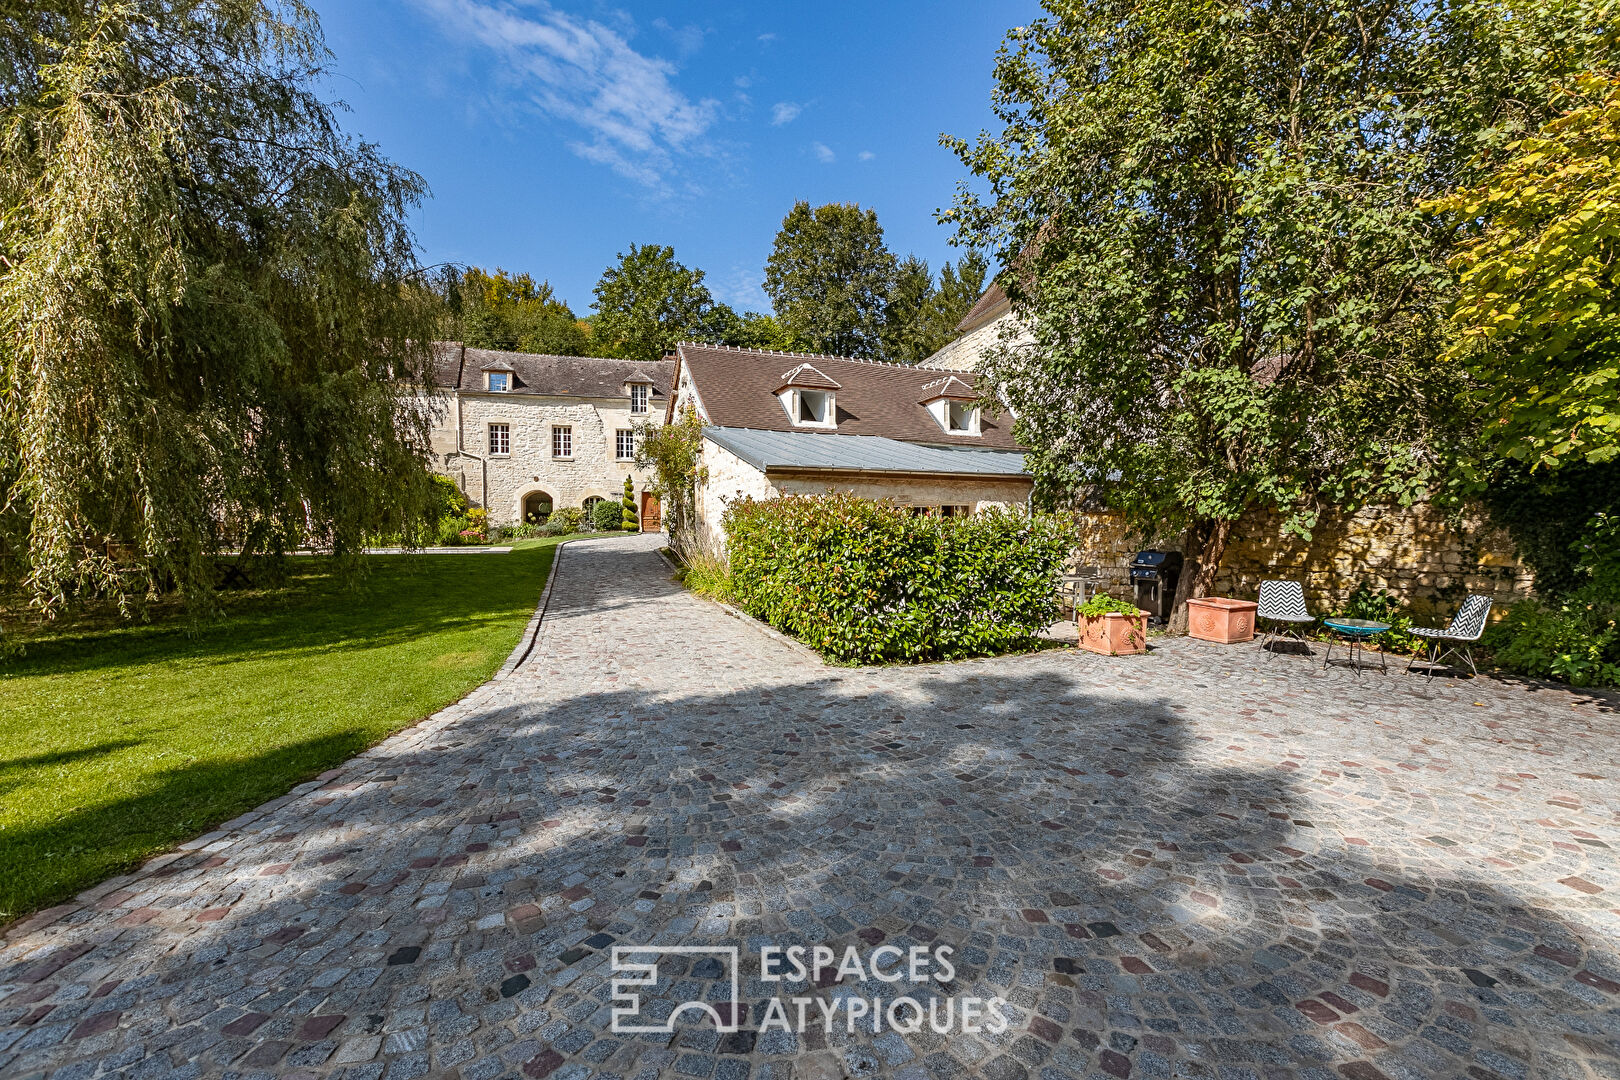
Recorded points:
(648, 302)
(829, 276)
(1209, 211)
(1539, 308)
(207, 307)
(513, 311)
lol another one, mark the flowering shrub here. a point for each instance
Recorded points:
(867, 582)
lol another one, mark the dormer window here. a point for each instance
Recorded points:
(639, 393)
(809, 398)
(499, 382)
(954, 406)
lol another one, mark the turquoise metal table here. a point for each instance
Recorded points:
(1354, 634)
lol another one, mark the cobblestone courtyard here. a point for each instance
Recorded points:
(1203, 862)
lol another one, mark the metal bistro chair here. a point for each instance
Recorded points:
(1457, 638)
(1075, 584)
(1283, 602)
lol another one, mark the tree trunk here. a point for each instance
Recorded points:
(1202, 548)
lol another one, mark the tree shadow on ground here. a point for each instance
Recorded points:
(1145, 907)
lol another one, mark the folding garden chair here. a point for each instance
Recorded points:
(1455, 639)
(1283, 602)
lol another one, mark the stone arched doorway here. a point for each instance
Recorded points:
(536, 507)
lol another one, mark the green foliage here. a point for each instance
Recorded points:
(209, 300)
(1102, 604)
(828, 277)
(608, 515)
(512, 312)
(1547, 511)
(672, 451)
(647, 303)
(1367, 602)
(627, 506)
(708, 574)
(565, 521)
(869, 582)
(918, 318)
(447, 501)
(1539, 310)
(750, 330)
(1210, 214)
(1573, 639)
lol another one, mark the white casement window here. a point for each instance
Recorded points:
(500, 381)
(639, 392)
(962, 418)
(814, 407)
(500, 439)
(955, 510)
(562, 442)
(624, 444)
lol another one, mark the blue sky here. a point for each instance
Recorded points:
(554, 135)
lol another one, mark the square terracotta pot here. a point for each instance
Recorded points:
(1215, 618)
(1114, 634)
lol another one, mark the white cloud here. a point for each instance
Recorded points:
(823, 152)
(582, 72)
(785, 112)
(766, 38)
(866, 155)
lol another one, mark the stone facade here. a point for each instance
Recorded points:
(501, 482)
(966, 353)
(1413, 552)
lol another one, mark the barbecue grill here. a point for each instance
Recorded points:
(1153, 580)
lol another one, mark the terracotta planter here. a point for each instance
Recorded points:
(1114, 634)
(1215, 618)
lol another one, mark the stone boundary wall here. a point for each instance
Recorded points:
(1413, 552)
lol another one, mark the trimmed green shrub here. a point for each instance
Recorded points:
(607, 515)
(869, 582)
(627, 519)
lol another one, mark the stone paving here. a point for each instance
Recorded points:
(1202, 862)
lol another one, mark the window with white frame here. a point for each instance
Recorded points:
(499, 381)
(639, 393)
(814, 407)
(955, 510)
(562, 442)
(962, 418)
(500, 439)
(624, 444)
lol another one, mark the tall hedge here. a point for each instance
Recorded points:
(870, 582)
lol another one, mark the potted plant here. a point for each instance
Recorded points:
(1215, 618)
(1111, 627)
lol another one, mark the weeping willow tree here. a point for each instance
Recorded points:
(210, 325)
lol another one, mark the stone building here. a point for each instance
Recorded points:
(795, 423)
(989, 323)
(522, 434)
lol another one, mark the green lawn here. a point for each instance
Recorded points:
(117, 743)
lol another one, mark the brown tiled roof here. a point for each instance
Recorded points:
(551, 376)
(991, 304)
(738, 390)
(951, 386)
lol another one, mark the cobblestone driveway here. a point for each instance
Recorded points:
(1197, 863)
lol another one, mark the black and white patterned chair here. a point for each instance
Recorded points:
(1457, 638)
(1282, 605)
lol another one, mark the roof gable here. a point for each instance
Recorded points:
(738, 388)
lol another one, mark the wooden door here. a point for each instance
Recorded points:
(651, 518)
